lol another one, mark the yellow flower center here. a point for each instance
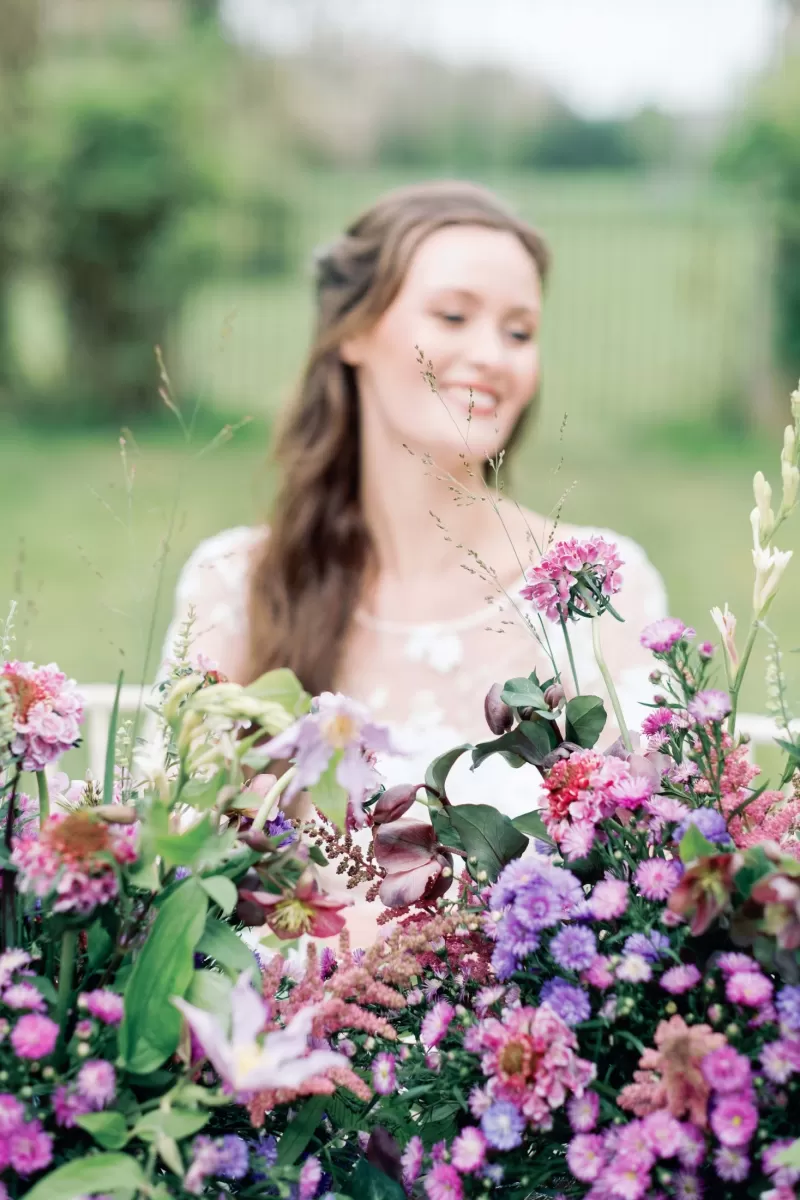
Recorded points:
(292, 915)
(246, 1057)
(339, 730)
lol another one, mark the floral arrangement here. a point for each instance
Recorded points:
(603, 1000)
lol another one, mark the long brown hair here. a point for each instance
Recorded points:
(308, 578)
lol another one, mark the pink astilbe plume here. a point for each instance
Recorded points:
(670, 1076)
(771, 817)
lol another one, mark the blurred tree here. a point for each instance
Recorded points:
(568, 142)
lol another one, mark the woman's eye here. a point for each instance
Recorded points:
(522, 335)
(452, 318)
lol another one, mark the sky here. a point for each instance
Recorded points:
(605, 57)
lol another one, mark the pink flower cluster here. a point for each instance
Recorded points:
(619, 1161)
(772, 817)
(585, 789)
(554, 585)
(69, 859)
(24, 1145)
(48, 711)
(530, 1061)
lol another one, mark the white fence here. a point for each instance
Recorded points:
(99, 701)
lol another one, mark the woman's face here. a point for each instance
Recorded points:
(470, 306)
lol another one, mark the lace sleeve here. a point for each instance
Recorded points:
(214, 582)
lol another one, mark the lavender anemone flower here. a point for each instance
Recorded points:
(247, 1062)
(337, 729)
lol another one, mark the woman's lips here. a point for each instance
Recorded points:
(477, 401)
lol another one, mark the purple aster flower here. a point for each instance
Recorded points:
(582, 1112)
(787, 1003)
(566, 1000)
(687, 1186)
(264, 1151)
(502, 1126)
(539, 905)
(711, 824)
(283, 828)
(711, 705)
(574, 948)
(651, 946)
(678, 980)
(726, 1071)
(97, 1083)
(233, 1159)
(494, 1172)
(660, 636)
(731, 1165)
(780, 1060)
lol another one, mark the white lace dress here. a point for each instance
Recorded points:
(428, 681)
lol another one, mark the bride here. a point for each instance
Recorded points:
(392, 566)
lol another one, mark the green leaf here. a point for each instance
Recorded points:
(89, 1175)
(791, 748)
(693, 845)
(172, 1123)
(202, 794)
(790, 1157)
(145, 877)
(218, 941)
(585, 720)
(170, 1155)
(201, 843)
(529, 742)
(281, 687)
(209, 990)
(329, 796)
(111, 745)
(368, 1183)
(109, 1129)
(523, 693)
(43, 985)
(299, 1132)
(485, 835)
(531, 823)
(316, 855)
(221, 890)
(756, 866)
(440, 768)
(150, 1028)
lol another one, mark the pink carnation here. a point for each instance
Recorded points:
(552, 585)
(749, 988)
(662, 635)
(34, 1036)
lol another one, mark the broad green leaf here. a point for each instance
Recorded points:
(281, 687)
(200, 844)
(89, 1175)
(221, 890)
(218, 941)
(316, 855)
(210, 990)
(368, 1183)
(486, 836)
(585, 720)
(693, 845)
(299, 1132)
(530, 741)
(329, 796)
(440, 768)
(164, 967)
(790, 1157)
(43, 985)
(523, 693)
(791, 748)
(169, 1154)
(109, 1129)
(172, 1123)
(201, 794)
(145, 877)
(531, 824)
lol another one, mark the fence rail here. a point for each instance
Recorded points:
(99, 701)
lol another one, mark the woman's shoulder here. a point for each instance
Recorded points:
(222, 561)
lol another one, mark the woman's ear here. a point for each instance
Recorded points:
(351, 351)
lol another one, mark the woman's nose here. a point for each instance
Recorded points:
(486, 347)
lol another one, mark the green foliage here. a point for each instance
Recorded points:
(87, 1176)
(572, 143)
(488, 838)
(585, 720)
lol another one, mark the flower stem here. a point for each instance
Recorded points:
(568, 644)
(66, 969)
(739, 679)
(44, 797)
(8, 896)
(609, 682)
(272, 795)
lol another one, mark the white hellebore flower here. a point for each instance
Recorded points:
(247, 1062)
(726, 624)
(770, 565)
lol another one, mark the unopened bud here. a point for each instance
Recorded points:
(790, 477)
(394, 802)
(795, 403)
(499, 716)
(762, 517)
(554, 696)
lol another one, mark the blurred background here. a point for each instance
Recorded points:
(168, 166)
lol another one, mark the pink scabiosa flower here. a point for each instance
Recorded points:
(586, 1157)
(660, 636)
(710, 706)
(337, 731)
(468, 1151)
(609, 899)
(443, 1182)
(553, 585)
(97, 1083)
(435, 1024)
(749, 988)
(69, 858)
(734, 1120)
(106, 1006)
(384, 1080)
(411, 1160)
(678, 980)
(47, 712)
(582, 1112)
(657, 878)
(34, 1036)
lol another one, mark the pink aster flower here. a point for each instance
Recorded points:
(678, 980)
(667, 808)
(660, 636)
(657, 878)
(411, 1160)
(468, 1151)
(692, 1149)
(731, 1165)
(734, 1120)
(586, 1157)
(310, 1177)
(780, 1174)
(726, 1071)
(634, 968)
(552, 585)
(24, 995)
(384, 1080)
(781, 1060)
(582, 1112)
(749, 988)
(30, 1149)
(443, 1182)
(625, 1181)
(732, 962)
(577, 840)
(436, 1023)
(609, 899)
(34, 1036)
(663, 1133)
(12, 1113)
(97, 1083)
(68, 1106)
(107, 1006)
(599, 974)
(479, 1102)
(710, 706)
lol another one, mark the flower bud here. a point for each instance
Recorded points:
(790, 477)
(795, 403)
(395, 802)
(554, 696)
(499, 716)
(762, 517)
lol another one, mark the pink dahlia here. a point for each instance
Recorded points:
(657, 878)
(554, 585)
(47, 712)
(662, 635)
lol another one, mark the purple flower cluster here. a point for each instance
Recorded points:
(709, 822)
(529, 897)
(219, 1158)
